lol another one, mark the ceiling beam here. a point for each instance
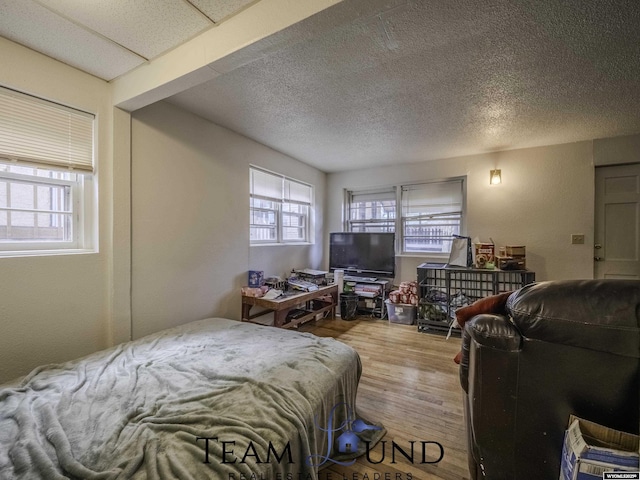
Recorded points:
(194, 62)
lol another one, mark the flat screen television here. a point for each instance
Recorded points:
(369, 254)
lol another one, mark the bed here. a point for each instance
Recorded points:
(215, 398)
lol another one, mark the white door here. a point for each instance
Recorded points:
(617, 224)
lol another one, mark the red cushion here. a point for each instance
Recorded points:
(458, 357)
(492, 304)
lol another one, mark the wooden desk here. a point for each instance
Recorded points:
(283, 305)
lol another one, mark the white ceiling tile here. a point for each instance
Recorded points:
(29, 24)
(147, 27)
(372, 82)
(217, 10)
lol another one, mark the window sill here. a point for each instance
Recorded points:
(46, 253)
(297, 244)
(438, 258)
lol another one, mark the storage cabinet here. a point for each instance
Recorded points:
(444, 289)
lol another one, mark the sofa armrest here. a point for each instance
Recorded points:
(491, 348)
(491, 331)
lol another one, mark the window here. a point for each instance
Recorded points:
(46, 174)
(280, 208)
(431, 215)
(424, 217)
(372, 211)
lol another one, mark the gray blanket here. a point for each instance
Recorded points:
(211, 399)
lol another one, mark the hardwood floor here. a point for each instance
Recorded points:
(409, 384)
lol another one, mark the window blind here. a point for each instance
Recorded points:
(431, 215)
(374, 196)
(278, 188)
(43, 133)
(296, 192)
(432, 199)
(266, 185)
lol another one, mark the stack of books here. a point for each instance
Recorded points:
(367, 290)
(302, 285)
(317, 277)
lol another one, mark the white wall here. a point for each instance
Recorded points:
(57, 308)
(547, 193)
(616, 150)
(190, 217)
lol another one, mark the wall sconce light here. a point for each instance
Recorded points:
(495, 177)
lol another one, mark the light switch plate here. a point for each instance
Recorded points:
(577, 239)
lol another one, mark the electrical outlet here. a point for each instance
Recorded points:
(577, 239)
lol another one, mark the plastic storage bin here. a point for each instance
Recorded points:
(401, 313)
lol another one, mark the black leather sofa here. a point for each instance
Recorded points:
(564, 347)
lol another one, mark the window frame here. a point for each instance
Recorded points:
(462, 223)
(81, 194)
(266, 210)
(82, 211)
(280, 212)
(303, 217)
(377, 195)
(399, 222)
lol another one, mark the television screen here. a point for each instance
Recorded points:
(368, 253)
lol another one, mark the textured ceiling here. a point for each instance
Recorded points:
(376, 82)
(410, 81)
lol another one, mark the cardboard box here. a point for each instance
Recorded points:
(485, 254)
(510, 263)
(256, 278)
(590, 450)
(515, 251)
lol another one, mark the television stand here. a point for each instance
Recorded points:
(369, 301)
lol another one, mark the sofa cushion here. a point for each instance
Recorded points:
(601, 315)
